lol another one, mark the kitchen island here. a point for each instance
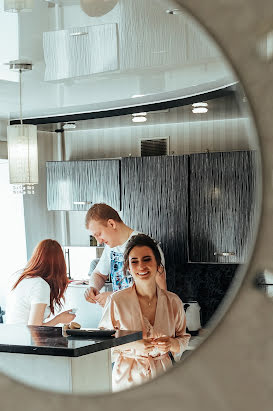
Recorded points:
(42, 357)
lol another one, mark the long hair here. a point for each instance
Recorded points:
(140, 240)
(47, 262)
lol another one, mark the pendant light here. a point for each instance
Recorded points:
(97, 8)
(22, 146)
(18, 5)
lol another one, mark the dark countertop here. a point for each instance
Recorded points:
(24, 339)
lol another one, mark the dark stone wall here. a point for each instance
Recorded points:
(206, 283)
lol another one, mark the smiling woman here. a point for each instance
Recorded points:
(158, 313)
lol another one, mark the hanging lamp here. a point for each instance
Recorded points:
(22, 146)
(18, 5)
(97, 8)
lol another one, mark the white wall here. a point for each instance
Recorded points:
(40, 223)
(185, 138)
(226, 127)
(3, 150)
(12, 232)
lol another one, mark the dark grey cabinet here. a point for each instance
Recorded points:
(222, 206)
(86, 182)
(200, 207)
(155, 201)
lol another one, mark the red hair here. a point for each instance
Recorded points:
(47, 262)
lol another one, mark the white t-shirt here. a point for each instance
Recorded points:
(29, 291)
(111, 264)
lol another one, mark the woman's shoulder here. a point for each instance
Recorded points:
(172, 296)
(38, 282)
(122, 294)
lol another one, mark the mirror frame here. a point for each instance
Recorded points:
(233, 369)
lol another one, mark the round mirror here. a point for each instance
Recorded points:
(138, 109)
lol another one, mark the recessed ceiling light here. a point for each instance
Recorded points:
(69, 126)
(138, 95)
(139, 119)
(139, 114)
(200, 110)
(201, 104)
(174, 11)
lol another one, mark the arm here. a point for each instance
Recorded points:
(177, 344)
(161, 279)
(181, 336)
(161, 274)
(36, 316)
(92, 294)
(97, 280)
(110, 320)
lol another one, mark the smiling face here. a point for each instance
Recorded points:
(142, 264)
(104, 232)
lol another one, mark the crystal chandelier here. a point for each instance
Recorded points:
(18, 5)
(22, 147)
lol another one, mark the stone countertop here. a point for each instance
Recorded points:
(36, 340)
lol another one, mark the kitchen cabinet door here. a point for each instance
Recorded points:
(80, 51)
(89, 182)
(222, 198)
(155, 202)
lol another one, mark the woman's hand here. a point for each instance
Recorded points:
(144, 346)
(65, 317)
(165, 344)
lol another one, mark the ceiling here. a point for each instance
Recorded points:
(151, 54)
(230, 107)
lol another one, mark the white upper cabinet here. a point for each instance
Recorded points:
(80, 51)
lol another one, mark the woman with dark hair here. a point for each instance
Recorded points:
(37, 290)
(145, 307)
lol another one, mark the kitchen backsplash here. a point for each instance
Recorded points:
(205, 283)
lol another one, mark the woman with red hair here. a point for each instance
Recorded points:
(40, 288)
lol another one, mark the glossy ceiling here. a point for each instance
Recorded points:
(83, 63)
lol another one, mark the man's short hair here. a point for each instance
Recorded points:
(101, 212)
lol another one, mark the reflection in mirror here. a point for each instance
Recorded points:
(137, 108)
(264, 283)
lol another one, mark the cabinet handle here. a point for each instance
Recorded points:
(225, 253)
(78, 34)
(82, 202)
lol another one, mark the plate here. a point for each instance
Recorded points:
(90, 333)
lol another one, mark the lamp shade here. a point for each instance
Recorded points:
(97, 8)
(18, 5)
(23, 154)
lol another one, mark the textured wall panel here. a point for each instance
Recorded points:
(154, 201)
(223, 128)
(92, 181)
(222, 194)
(157, 38)
(93, 50)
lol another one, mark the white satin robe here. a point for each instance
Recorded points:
(123, 312)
